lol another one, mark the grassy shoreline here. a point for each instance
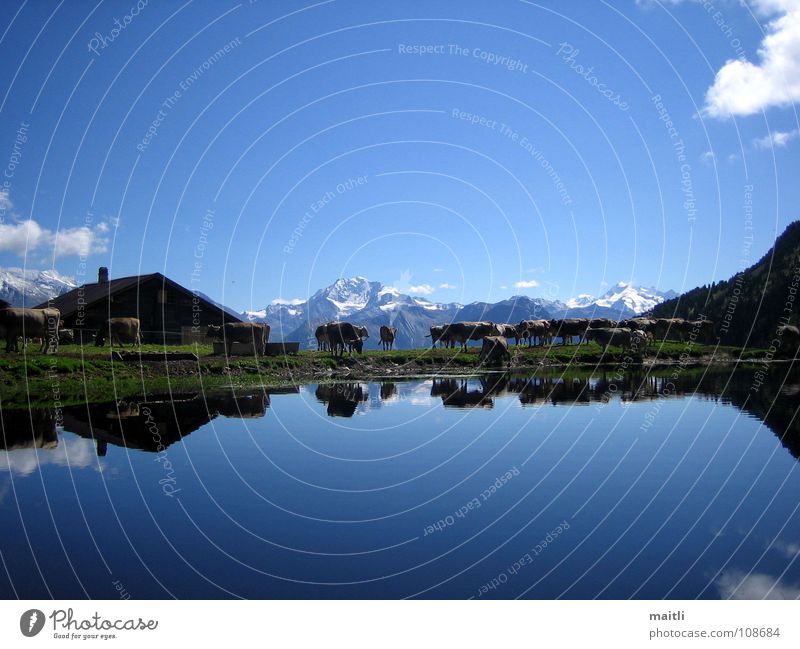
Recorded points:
(81, 375)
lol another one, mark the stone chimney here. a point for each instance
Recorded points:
(102, 275)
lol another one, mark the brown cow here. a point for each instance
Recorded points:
(494, 350)
(344, 335)
(607, 336)
(567, 328)
(463, 332)
(323, 343)
(30, 323)
(530, 330)
(388, 334)
(120, 331)
(439, 333)
(241, 332)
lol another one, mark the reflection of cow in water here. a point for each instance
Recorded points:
(342, 399)
(388, 391)
(554, 390)
(457, 393)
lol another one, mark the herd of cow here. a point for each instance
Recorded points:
(623, 333)
(337, 337)
(44, 326)
(634, 333)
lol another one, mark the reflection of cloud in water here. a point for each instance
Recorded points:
(734, 584)
(789, 549)
(74, 452)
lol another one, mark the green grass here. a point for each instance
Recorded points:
(90, 374)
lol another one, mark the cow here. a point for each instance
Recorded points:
(702, 330)
(363, 334)
(508, 331)
(66, 336)
(495, 350)
(567, 328)
(120, 331)
(437, 334)
(388, 334)
(343, 335)
(321, 334)
(664, 327)
(607, 336)
(602, 323)
(241, 332)
(646, 325)
(530, 330)
(442, 334)
(30, 323)
(639, 341)
(463, 332)
(706, 331)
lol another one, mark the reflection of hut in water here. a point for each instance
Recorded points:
(28, 429)
(342, 399)
(154, 425)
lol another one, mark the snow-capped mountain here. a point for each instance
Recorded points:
(372, 304)
(29, 288)
(625, 296)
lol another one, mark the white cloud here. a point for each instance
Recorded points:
(421, 289)
(25, 237)
(72, 452)
(776, 139)
(527, 283)
(78, 241)
(743, 88)
(738, 585)
(438, 270)
(707, 157)
(446, 286)
(292, 302)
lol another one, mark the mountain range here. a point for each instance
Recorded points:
(26, 287)
(373, 304)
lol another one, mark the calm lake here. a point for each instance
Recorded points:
(678, 483)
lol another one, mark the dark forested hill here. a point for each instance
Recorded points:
(749, 306)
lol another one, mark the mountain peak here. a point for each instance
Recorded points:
(373, 304)
(28, 287)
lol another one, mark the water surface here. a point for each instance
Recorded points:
(679, 483)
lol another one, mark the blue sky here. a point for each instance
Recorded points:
(459, 150)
